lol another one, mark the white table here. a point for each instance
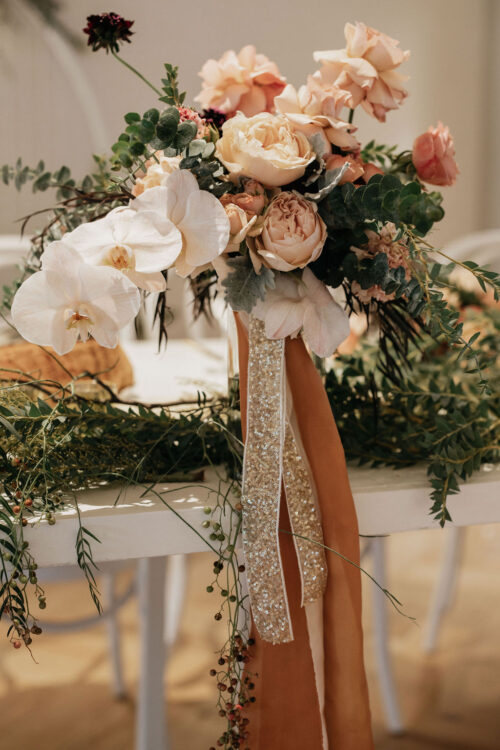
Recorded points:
(387, 500)
(141, 527)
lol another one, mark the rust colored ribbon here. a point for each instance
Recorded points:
(311, 692)
(272, 457)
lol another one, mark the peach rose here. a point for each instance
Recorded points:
(354, 171)
(246, 81)
(252, 201)
(316, 109)
(265, 148)
(157, 172)
(240, 224)
(372, 45)
(358, 169)
(366, 70)
(293, 233)
(434, 156)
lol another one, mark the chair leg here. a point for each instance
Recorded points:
(112, 625)
(446, 585)
(175, 594)
(380, 627)
(151, 722)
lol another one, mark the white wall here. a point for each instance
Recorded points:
(39, 115)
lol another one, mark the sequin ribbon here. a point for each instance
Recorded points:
(273, 457)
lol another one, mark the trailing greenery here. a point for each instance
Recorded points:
(434, 414)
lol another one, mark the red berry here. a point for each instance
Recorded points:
(16, 644)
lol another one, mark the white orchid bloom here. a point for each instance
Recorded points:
(140, 245)
(197, 214)
(69, 299)
(303, 304)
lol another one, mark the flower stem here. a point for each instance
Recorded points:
(139, 75)
(351, 116)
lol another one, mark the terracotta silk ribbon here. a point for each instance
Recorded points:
(311, 692)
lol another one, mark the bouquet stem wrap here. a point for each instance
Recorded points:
(311, 691)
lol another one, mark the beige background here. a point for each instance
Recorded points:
(451, 78)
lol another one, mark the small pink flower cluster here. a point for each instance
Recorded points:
(385, 241)
(191, 115)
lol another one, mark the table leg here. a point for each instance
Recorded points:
(113, 628)
(380, 626)
(446, 585)
(151, 721)
(175, 595)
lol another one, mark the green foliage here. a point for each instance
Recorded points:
(41, 179)
(199, 159)
(61, 180)
(152, 132)
(392, 162)
(171, 87)
(243, 286)
(384, 199)
(85, 559)
(432, 414)
(50, 449)
(378, 153)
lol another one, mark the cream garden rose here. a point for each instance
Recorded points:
(157, 172)
(293, 233)
(264, 147)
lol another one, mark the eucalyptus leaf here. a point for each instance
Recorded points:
(243, 286)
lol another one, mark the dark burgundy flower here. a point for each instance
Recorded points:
(107, 30)
(214, 117)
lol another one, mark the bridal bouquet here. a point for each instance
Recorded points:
(266, 189)
(265, 195)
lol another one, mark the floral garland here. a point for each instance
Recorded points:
(268, 195)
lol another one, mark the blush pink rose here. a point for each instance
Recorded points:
(434, 156)
(293, 233)
(246, 82)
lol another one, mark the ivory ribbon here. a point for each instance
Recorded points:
(272, 457)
